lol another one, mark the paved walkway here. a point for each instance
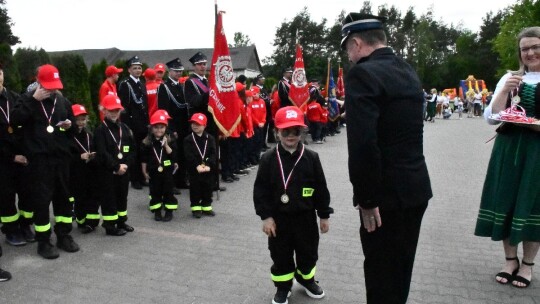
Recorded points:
(225, 259)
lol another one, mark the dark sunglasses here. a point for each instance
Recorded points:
(291, 131)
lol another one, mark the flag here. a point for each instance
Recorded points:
(222, 101)
(340, 89)
(299, 92)
(333, 106)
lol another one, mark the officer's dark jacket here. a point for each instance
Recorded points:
(307, 188)
(37, 142)
(107, 149)
(283, 93)
(179, 112)
(135, 114)
(198, 101)
(193, 158)
(10, 143)
(149, 158)
(385, 133)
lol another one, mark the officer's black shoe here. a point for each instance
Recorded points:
(168, 216)
(145, 183)
(4, 275)
(136, 185)
(115, 231)
(28, 234)
(157, 215)
(281, 296)
(126, 227)
(209, 212)
(176, 191)
(47, 250)
(197, 214)
(241, 172)
(227, 179)
(312, 289)
(235, 178)
(85, 229)
(67, 243)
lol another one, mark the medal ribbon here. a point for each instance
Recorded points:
(49, 118)
(286, 181)
(203, 153)
(118, 143)
(160, 153)
(87, 141)
(6, 114)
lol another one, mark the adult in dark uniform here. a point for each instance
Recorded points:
(13, 173)
(171, 98)
(387, 169)
(196, 89)
(284, 86)
(46, 116)
(132, 93)
(269, 125)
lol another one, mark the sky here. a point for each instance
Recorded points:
(58, 25)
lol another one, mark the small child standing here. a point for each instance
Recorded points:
(114, 146)
(83, 173)
(158, 157)
(200, 153)
(289, 193)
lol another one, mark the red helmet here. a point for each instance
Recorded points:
(78, 110)
(111, 102)
(159, 117)
(199, 118)
(287, 117)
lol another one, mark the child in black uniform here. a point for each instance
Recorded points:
(114, 147)
(158, 157)
(289, 192)
(200, 153)
(83, 169)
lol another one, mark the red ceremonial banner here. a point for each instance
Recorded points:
(222, 101)
(299, 91)
(340, 89)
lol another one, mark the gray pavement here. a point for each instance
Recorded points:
(225, 259)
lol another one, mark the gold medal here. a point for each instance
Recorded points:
(160, 169)
(120, 156)
(516, 99)
(284, 198)
(10, 130)
(50, 129)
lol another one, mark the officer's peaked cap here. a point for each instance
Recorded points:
(133, 61)
(175, 64)
(358, 22)
(198, 58)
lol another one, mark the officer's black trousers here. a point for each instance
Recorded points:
(296, 234)
(49, 182)
(14, 183)
(389, 255)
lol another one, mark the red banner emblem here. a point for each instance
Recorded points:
(299, 92)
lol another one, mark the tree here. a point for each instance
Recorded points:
(9, 66)
(241, 40)
(28, 60)
(74, 76)
(6, 35)
(96, 76)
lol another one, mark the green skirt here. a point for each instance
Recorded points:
(510, 204)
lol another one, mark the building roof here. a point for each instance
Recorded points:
(243, 58)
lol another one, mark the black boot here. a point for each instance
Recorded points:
(125, 226)
(66, 243)
(157, 215)
(47, 250)
(168, 216)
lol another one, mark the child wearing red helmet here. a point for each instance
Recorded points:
(289, 193)
(200, 153)
(82, 171)
(114, 146)
(158, 160)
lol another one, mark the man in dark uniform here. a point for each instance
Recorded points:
(46, 118)
(132, 92)
(269, 125)
(196, 90)
(171, 99)
(284, 86)
(387, 169)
